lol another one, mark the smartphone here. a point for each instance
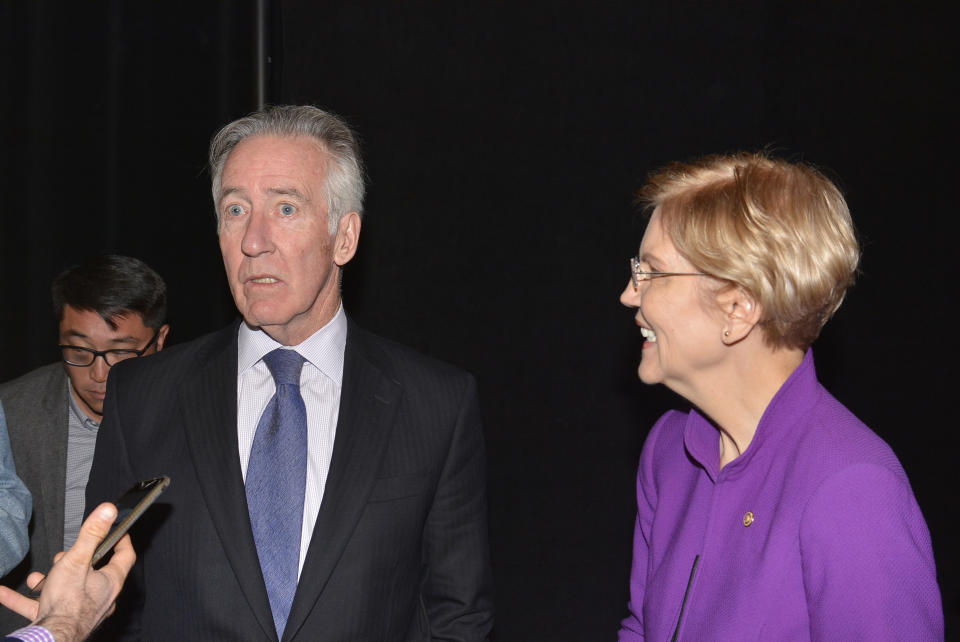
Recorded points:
(129, 508)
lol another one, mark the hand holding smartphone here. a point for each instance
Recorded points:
(129, 509)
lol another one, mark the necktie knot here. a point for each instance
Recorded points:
(285, 366)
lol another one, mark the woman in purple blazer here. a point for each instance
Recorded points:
(769, 511)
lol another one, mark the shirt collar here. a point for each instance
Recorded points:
(324, 349)
(792, 400)
(78, 413)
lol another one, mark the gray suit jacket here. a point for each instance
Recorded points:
(36, 406)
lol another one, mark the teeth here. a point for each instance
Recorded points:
(649, 335)
(265, 279)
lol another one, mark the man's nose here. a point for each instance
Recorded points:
(99, 369)
(256, 235)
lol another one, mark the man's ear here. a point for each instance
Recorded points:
(162, 336)
(741, 314)
(347, 239)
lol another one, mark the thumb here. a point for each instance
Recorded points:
(93, 531)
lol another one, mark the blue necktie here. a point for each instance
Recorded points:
(276, 479)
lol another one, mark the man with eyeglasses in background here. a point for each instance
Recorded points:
(110, 308)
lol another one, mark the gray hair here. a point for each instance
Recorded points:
(344, 182)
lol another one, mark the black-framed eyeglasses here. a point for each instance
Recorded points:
(80, 356)
(639, 275)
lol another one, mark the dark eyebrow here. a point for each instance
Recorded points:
(127, 339)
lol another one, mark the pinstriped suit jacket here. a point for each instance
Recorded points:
(399, 551)
(36, 406)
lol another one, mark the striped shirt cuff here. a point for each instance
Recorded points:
(33, 634)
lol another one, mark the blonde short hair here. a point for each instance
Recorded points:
(779, 230)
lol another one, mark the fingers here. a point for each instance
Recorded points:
(121, 562)
(18, 603)
(34, 579)
(124, 551)
(93, 530)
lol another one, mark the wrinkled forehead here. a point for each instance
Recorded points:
(274, 157)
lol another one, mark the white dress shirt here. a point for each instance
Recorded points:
(320, 383)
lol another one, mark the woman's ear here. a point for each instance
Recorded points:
(740, 312)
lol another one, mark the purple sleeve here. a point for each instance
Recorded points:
(32, 634)
(631, 628)
(868, 566)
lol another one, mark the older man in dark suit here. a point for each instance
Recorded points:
(327, 484)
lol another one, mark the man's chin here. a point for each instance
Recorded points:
(261, 323)
(263, 314)
(96, 409)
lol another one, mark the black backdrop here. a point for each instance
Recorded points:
(504, 142)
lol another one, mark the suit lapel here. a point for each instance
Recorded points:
(368, 404)
(209, 403)
(57, 404)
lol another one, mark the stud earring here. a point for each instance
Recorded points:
(726, 333)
